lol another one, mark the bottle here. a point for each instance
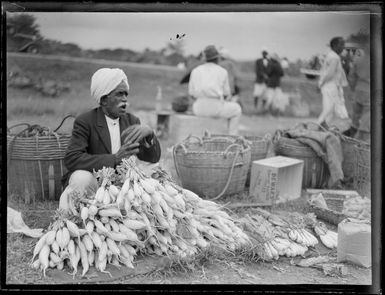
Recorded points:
(158, 100)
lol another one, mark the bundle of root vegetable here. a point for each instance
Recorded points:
(275, 236)
(328, 237)
(132, 214)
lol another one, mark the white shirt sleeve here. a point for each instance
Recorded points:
(330, 70)
(191, 84)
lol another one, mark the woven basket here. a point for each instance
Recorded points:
(362, 169)
(349, 156)
(35, 164)
(315, 170)
(212, 167)
(333, 214)
(259, 146)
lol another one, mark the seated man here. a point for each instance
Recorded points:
(105, 135)
(210, 89)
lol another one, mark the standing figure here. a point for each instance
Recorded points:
(261, 66)
(359, 79)
(274, 72)
(331, 82)
(209, 88)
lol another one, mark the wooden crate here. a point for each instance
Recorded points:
(275, 180)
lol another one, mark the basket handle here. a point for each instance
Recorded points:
(268, 138)
(65, 118)
(229, 178)
(227, 150)
(277, 135)
(190, 136)
(206, 134)
(20, 124)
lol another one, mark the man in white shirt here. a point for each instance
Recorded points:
(331, 83)
(210, 89)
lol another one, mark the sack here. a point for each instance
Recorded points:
(354, 242)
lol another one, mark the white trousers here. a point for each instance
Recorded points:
(211, 107)
(333, 103)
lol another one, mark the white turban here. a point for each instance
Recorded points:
(105, 80)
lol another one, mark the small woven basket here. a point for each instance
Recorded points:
(35, 164)
(259, 146)
(315, 170)
(362, 169)
(212, 167)
(333, 214)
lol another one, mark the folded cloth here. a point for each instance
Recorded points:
(326, 145)
(15, 224)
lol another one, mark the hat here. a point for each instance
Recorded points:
(264, 48)
(210, 53)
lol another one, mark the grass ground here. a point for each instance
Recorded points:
(28, 105)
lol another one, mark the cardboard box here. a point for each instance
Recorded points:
(275, 180)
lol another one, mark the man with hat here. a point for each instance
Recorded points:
(261, 66)
(209, 88)
(105, 135)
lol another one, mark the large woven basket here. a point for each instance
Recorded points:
(212, 167)
(333, 214)
(362, 170)
(349, 156)
(315, 170)
(259, 146)
(35, 164)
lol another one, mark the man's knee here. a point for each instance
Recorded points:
(83, 180)
(236, 108)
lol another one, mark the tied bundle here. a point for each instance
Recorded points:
(273, 236)
(132, 214)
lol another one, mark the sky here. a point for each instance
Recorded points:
(289, 34)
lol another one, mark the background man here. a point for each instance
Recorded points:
(105, 135)
(210, 90)
(261, 65)
(359, 79)
(331, 82)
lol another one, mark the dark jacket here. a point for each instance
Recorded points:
(90, 145)
(275, 72)
(260, 71)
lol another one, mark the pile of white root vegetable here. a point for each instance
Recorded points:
(290, 236)
(132, 214)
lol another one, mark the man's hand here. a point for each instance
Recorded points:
(126, 150)
(135, 133)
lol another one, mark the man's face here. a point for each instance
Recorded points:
(115, 103)
(264, 54)
(340, 46)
